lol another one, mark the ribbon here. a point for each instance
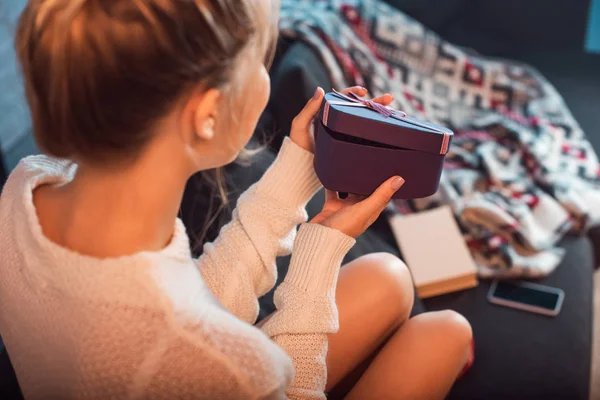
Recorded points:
(359, 101)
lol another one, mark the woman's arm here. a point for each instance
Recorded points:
(240, 265)
(306, 310)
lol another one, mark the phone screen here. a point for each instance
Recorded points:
(526, 295)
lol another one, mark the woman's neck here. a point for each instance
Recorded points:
(113, 213)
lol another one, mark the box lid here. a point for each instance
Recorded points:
(361, 118)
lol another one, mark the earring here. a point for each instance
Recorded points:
(209, 127)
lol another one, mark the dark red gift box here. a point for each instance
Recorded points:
(360, 144)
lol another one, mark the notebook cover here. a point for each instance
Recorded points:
(435, 251)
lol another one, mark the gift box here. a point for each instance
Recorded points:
(360, 144)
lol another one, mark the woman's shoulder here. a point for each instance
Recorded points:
(16, 207)
(43, 164)
(35, 170)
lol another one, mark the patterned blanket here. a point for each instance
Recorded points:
(520, 174)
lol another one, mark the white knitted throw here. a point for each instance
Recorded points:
(160, 325)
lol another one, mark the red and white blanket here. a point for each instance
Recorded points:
(520, 174)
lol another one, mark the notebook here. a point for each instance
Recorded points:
(435, 252)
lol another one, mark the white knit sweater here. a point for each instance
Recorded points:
(160, 325)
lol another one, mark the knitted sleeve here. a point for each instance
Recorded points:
(240, 265)
(306, 310)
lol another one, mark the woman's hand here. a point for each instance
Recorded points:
(354, 215)
(301, 132)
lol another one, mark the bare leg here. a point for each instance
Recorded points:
(421, 361)
(422, 357)
(374, 297)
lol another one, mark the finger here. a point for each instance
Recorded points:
(304, 119)
(385, 99)
(376, 203)
(357, 90)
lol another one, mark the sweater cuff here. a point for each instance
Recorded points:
(291, 179)
(316, 258)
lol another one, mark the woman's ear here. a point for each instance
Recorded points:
(205, 114)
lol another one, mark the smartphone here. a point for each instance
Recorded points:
(527, 296)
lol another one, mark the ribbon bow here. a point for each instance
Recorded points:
(359, 101)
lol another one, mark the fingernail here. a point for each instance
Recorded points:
(317, 93)
(364, 88)
(397, 183)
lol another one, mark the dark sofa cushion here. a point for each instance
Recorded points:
(9, 387)
(294, 79)
(519, 355)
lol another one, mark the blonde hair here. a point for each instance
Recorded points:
(98, 73)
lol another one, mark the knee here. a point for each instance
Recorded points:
(393, 282)
(456, 329)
